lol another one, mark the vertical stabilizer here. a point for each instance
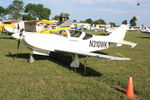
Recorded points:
(118, 34)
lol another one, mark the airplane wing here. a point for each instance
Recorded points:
(98, 55)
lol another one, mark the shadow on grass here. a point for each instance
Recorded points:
(146, 33)
(6, 38)
(61, 59)
(120, 89)
(145, 37)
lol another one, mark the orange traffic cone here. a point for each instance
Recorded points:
(130, 91)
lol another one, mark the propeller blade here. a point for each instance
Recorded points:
(18, 27)
(18, 45)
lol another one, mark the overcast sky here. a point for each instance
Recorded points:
(109, 10)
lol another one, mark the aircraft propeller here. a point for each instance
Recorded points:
(18, 45)
(20, 36)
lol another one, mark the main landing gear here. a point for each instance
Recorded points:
(31, 58)
(75, 63)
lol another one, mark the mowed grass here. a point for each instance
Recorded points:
(51, 78)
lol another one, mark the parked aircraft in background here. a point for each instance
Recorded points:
(145, 30)
(5, 25)
(42, 26)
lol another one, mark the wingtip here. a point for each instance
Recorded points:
(134, 45)
(118, 58)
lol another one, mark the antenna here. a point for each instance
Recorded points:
(138, 13)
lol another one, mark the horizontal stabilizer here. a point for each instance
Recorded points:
(127, 43)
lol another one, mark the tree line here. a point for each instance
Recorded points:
(101, 21)
(17, 11)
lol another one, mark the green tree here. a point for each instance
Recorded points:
(28, 17)
(37, 11)
(3, 12)
(99, 21)
(15, 9)
(64, 14)
(56, 17)
(89, 20)
(125, 22)
(133, 21)
(45, 13)
(81, 21)
(112, 24)
(74, 20)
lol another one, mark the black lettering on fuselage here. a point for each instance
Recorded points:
(98, 44)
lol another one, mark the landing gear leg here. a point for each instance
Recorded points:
(31, 59)
(75, 63)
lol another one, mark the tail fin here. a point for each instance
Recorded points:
(118, 34)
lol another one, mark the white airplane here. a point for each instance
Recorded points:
(74, 42)
(145, 30)
(109, 30)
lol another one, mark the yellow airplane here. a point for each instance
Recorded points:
(7, 25)
(46, 28)
(53, 30)
(39, 26)
(10, 24)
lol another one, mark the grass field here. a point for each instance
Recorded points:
(51, 78)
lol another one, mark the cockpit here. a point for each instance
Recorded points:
(74, 34)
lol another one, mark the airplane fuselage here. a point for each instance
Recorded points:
(54, 42)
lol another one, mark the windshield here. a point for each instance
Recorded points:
(74, 33)
(87, 36)
(61, 33)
